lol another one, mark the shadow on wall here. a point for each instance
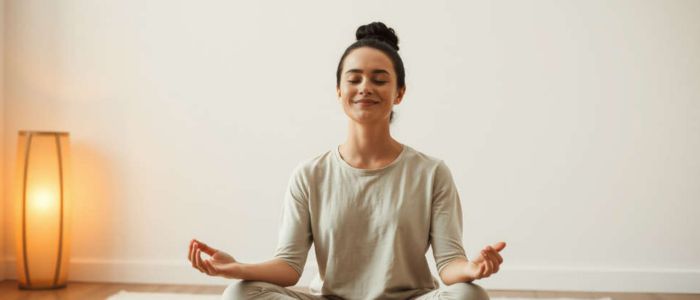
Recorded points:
(96, 208)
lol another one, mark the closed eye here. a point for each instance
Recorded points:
(375, 81)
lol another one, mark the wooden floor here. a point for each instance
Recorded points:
(98, 291)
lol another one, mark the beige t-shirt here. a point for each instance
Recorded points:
(371, 229)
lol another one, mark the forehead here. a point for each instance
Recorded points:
(367, 59)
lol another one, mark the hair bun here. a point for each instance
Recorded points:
(378, 31)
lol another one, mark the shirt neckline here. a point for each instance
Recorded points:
(347, 166)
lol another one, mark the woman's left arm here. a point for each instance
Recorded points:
(462, 270)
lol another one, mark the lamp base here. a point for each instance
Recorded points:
(34, 288)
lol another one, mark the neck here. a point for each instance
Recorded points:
(367, 143)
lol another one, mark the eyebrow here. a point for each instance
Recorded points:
(375, 71)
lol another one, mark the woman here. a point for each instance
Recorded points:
(371, 207)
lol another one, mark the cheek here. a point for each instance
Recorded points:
(387, 93)
(346, 92)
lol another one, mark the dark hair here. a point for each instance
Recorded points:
(378, 36)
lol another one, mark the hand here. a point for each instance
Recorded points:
(487, 263)
(220, 263)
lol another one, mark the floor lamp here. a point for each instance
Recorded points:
(42, 209)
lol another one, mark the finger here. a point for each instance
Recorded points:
(207, 249)
(194, 255)
(198, 259)
(193, 248)
(499, 246)
(498, 257)
(202, 265)
(194, 259)
(189, 251)
(493, 253)
(201, 260)
(206, 266)
(492, 267)
(486, 263)
(494, 263)
(210, 267)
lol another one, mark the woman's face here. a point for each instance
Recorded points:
(367, 87)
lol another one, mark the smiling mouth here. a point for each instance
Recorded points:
(365, 102)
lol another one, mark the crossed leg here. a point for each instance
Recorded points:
(267, 291)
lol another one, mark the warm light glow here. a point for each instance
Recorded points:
(42, 209)
(42, 200)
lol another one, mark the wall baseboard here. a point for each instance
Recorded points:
(595, 279)
(509, 278)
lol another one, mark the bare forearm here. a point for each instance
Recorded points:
(455, 272)
(274, 271)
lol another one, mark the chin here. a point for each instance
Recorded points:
(368, 119)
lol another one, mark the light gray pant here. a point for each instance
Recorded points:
(243, 290)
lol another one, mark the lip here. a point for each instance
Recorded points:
(365, 104)
(366, 101)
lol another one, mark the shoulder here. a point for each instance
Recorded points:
(433, 168)
(420, 160)
(304, 173)
(312, 165)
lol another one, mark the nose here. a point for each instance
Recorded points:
(365, 88)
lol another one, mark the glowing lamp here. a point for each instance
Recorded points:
(42, 209)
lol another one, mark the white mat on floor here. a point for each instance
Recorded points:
(124, 295)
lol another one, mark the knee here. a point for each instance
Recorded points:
(466, 291)
(243, 290)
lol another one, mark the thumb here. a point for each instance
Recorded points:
(206, 249)
(499, 246)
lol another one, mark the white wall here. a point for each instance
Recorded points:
(570, 127)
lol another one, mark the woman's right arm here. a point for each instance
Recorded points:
(275, 271)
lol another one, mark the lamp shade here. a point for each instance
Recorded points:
(42, 202)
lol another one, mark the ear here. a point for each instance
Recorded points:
(399, 98)
(337, 91)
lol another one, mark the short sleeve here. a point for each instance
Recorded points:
(446, 219)
(295, 236)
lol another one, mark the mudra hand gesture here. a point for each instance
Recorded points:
(219, 263)
(487, 263)
(222, 264)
